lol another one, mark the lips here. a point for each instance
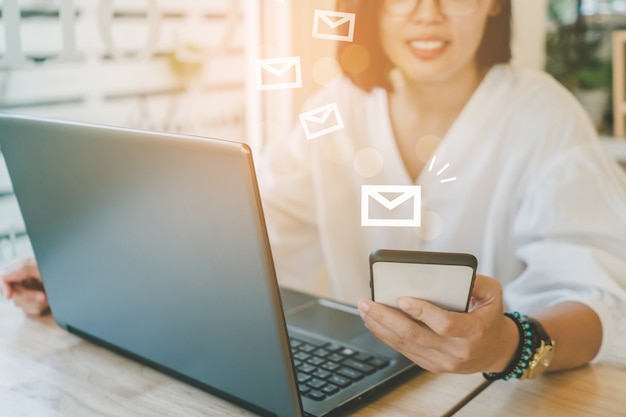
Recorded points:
(427, 48)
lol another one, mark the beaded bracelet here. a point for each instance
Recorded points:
(524, 351)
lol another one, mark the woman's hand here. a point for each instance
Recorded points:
(481, 340)
(21, 282)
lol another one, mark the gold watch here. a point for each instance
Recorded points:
(543, 354)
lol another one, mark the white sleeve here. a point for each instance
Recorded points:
(287, 192)
(570, 232)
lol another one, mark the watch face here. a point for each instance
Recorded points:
(541, 360)
(547, 358)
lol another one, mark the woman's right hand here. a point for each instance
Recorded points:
(21, 282)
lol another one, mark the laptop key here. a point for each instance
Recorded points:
(339, 381)
(363, 357)
(307, 368)
(294, 343)
(316, 383)
(331, 366)
(330, 389)
(307, 347)
(316, 361)
(379, 363)
(348, 352)
(335, 357)
(350, 373)
(333, 347)
(302, 377)
(322, 374)
(322, 353)
(315, 395)
(359, 366)
(303, 389)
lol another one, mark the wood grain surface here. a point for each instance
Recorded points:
(47, 372)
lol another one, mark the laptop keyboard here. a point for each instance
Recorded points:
(325, 369)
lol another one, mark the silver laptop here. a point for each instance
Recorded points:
(154, 245)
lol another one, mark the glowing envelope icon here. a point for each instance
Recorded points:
(279, 73)
(407, 198)
(321, 121)
(327, 22)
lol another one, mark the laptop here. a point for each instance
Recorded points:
(154, 245)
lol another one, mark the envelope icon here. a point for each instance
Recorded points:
(336, 26)
(279, 73)
(401, 210)
(321, 121)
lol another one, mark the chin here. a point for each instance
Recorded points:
(434, 72)
(428, 76)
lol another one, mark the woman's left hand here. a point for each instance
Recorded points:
(481, 340)
(21, 281)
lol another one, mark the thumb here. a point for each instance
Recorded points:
(486, 288)
(486, 292)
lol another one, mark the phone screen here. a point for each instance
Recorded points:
(445, 279)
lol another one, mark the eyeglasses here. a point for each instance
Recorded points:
(453, 8)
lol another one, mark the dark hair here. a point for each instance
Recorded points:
(495, 47)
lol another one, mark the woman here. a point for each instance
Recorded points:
(529, 191)
(536, 198)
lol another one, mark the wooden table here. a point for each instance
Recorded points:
(597, 391)
(47, 372)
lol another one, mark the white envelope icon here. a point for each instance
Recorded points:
(278, 73)
(408, 194)
(318, 122)
(327, 22)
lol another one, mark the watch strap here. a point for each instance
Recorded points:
(533, 339)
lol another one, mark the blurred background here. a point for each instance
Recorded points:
(192, 66)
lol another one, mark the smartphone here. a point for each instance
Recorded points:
(444, 279)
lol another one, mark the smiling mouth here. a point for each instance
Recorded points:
(427, 45)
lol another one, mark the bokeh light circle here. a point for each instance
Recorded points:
(426, 146)
(339, 150)
(355, 59)
(368, 162)
(325, 70)
(431, 228)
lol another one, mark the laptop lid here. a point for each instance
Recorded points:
(154, 245)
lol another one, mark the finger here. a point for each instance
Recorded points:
(35, 309)
(384, 321)
(414, 339)
(33, 303)
(23, 295)
(5, 289)
(409, 337)
(445, 323)
(20, 271)
(395, 329)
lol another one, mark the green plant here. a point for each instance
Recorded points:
(596, 76)
(572, 51)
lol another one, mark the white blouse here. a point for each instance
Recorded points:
(529, 190)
